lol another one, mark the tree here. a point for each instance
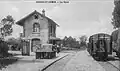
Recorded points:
(6, 30)
(7, 23)
(12, 41)
(64, 41)
(70, 42)
(83, 40)
(115, 35)
(116, 14)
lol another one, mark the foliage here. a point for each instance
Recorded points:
(6, 30)
(19, 43)
(115, 35)
(14, 42)
(3, 48)
(116, 14)
(70, 42)
(83, 40)
(7, 25)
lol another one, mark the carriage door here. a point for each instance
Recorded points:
(34, 43)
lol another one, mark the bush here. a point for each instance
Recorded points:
(82, 44)
(3, 48)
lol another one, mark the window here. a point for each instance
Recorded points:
(36, 27)
(36, 16)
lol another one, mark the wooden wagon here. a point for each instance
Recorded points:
(45, 52)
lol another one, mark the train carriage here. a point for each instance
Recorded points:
(99, 46)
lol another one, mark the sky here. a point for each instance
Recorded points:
(76, 18)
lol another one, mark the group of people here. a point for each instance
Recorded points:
(56, 48)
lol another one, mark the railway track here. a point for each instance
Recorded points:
(111, 65)
(118, 68)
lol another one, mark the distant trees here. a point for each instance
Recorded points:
(116, 14)
(83, 40)
(70, 42)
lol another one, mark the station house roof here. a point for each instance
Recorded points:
(20, 22)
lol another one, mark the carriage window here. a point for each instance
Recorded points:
(101, 43)
(36, 27)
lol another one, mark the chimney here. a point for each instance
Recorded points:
(43, 12)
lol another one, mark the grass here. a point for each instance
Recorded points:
(5, 61)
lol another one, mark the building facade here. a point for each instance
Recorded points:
(38, 29)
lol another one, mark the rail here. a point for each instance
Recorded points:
(114, 65)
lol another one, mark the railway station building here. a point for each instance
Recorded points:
(37, 29)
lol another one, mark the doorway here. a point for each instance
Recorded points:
(35, 41)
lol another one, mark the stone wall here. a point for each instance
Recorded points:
(43, 34)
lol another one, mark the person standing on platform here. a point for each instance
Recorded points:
(58, 48)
